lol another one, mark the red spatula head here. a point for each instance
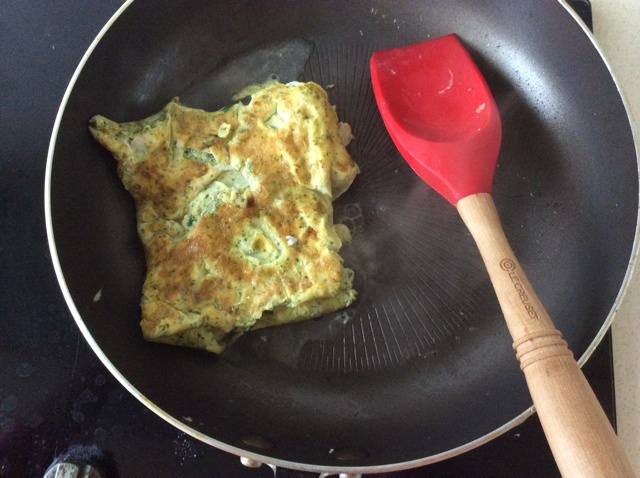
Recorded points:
(440, 114)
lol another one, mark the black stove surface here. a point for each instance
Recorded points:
(55, 395)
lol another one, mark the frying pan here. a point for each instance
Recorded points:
(420, 368)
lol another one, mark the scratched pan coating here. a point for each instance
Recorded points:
(420, 368)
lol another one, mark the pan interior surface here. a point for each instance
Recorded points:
(421, 366)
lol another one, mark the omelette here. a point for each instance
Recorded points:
(234, 211)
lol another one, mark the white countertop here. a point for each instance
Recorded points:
(617, 30)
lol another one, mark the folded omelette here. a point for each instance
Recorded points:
(234, 210)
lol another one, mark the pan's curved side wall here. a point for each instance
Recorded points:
(615, 28)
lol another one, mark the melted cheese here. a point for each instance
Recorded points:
(234, 212)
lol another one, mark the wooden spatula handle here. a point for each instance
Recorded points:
(581, 438)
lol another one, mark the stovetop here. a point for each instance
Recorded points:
(55, 395)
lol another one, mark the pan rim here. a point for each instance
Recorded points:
(635, 249)
(274, 462)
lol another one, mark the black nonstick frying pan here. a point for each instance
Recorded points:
(420, 368)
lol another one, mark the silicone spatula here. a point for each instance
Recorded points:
(443, 119)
